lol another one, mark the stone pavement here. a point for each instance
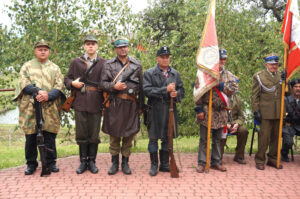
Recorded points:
(239, 182)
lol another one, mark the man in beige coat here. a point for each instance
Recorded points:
(266, 93)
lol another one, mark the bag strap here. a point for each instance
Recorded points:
(120, 72)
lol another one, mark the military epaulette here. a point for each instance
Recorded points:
(135, 61)
(111, 60)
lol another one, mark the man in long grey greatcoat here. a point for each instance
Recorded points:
(122, 80)
(160, 83)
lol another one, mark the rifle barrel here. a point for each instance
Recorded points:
(7, 89)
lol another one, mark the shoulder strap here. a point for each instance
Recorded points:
(270, 90)
(120, 72)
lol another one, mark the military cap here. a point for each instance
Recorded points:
(41, 43)
(163, 51)
(90, 38)
(120, 42)
(294, 82)
(223, 54)
(272, 58)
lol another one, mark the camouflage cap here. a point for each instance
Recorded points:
(272, 58)
(120, 42)
(41, 43)
(90, 38)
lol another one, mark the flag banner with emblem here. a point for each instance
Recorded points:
(291, 37)
(207, 59)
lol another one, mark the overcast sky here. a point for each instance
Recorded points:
(137, 5)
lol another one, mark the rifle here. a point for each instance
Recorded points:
(7, 89)
(174, 172)
(108, 98)
(40, 138)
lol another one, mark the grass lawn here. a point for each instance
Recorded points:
(12, 147)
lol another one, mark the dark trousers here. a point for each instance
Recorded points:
(153, 145)
(87, 127)
(31, 151)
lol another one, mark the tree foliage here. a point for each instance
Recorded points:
(243, 29)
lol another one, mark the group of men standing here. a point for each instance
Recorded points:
(115, 90)
(111, 88)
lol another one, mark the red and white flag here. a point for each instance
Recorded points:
(291, 37)
(207, 59)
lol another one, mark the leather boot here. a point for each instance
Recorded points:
(125, 166)
(115, 165)
(30, 169)
(83, 151)
(164, 161)
(93, 148)
(154, 164)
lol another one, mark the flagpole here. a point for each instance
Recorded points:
(208, 132)
(281, 110)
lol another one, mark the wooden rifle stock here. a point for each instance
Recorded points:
(68, 103)
(174, 172)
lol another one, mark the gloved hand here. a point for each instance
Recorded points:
(283, 76)
(257, 116)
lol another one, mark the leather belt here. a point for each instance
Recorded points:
(127, 97)
(91, 88)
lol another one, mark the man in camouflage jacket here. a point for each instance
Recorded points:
(49, 81)
(219, 117)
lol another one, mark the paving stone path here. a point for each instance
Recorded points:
(239, 182)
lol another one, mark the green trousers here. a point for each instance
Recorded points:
(268, 137)
(115, 145)
(87, 127)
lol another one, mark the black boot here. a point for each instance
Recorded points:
(31, 154)
(30, 169)
(154, 164)
(115, 165)
(164, 161)
(93, 148)
(83, 151)
(125, 166)
(285, 153)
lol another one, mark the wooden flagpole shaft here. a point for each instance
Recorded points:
(281, 111)
(208, 132)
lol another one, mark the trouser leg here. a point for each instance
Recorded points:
(31, 150)
(222, 146)
(126, 145)
(242, 136)
(202, 145)
(49, 139)
(272, 155)
(216, 150)
(263, 141)
(87, 127)
(114, 145)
